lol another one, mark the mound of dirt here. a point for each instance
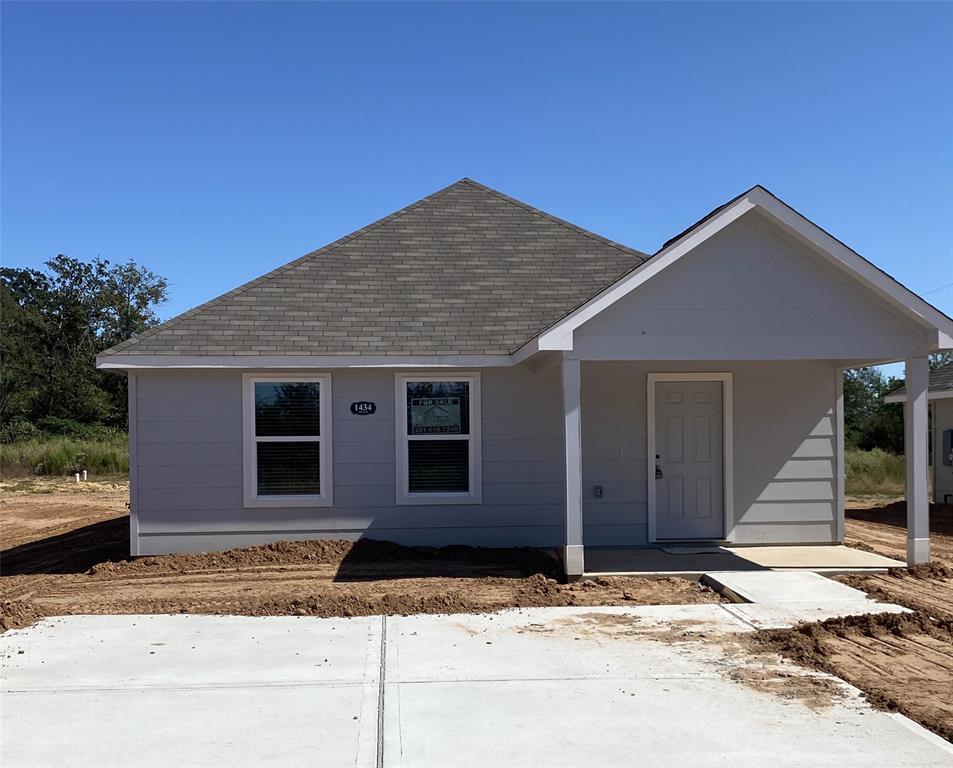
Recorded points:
(927, 588)
(343, 554)
(901, 661)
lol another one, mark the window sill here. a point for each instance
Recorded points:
(253, 502)
(433, 499)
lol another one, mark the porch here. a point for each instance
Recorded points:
(773, 456)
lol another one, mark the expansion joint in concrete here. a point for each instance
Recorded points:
(380, 693)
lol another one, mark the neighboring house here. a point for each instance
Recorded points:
(940, 397)
(472, 370)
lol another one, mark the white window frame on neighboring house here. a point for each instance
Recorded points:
(475, 493)
(250, 441)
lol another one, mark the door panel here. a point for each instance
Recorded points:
(689, 495)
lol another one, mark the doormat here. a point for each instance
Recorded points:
(695, 550)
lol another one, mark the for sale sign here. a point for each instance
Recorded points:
(435, 416)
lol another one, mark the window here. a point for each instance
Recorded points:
(287, 446)
(438, 439)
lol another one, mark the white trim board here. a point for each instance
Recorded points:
(941, 394)
(133, 406)
(938, 325)
(727, 380)
(286, 362)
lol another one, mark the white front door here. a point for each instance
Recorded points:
(689, 467)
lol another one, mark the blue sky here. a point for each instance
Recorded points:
(213, 142)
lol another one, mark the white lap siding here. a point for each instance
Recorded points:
(189, 475)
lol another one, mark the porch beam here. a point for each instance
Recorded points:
(573, 553)
(915, 451)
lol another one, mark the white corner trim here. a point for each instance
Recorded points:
(249, 451)
(133, 404)
(840, 496)
(401, 441)
(560, 336)
(727, 414)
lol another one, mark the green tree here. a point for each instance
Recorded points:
(52, 325)
(869, 422)
(940, 359)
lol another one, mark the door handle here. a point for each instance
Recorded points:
(658, 472)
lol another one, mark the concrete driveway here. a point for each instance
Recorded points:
(649, 686)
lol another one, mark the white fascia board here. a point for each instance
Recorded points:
(917, 309)
(559, 336)
(941, 394)
(261, 362)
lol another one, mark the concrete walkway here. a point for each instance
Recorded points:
(648, 686)
(777, 599)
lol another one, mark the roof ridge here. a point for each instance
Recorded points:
(156, 329)
(555, 219)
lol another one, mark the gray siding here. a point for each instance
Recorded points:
(784, 450)
(749, 293)
(942, 475)
(189, 474)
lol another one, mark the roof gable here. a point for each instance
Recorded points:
(939, 326)
(466, 270)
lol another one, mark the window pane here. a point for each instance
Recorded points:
(287, 409)
(289, 468)
(438, 466)
(438, 408)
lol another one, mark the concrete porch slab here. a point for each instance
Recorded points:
(695, 561)
(825, 558)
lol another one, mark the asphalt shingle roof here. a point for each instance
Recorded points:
(466, 270)
(941, 380)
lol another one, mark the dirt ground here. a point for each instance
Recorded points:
(65, 545)
(883, 529)
(903, 663)
(65, 552)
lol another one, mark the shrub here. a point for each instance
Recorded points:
(18, 431)
(875, 471)
(52, 426)
(64, 455)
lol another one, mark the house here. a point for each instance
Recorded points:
(940, 399)
(473, 370)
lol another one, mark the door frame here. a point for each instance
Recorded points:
(727, 462)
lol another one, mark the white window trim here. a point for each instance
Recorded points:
(249, 440)
(727, 385)
(475, 494)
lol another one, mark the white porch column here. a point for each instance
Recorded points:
(572, 411)
(915, 449)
